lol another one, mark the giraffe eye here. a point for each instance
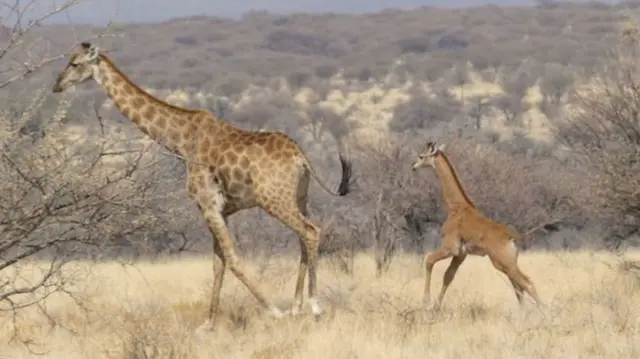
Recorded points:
(72, 64)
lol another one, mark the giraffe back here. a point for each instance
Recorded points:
(473, 226)
(251, 166)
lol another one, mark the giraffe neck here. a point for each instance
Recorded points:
(454, 194)
(170, 126)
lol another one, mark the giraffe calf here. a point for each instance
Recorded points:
(467, 231)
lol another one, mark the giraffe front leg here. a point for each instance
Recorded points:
(448, 276)
(219, 268)
(430, 260)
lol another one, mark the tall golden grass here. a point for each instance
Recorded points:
(152, 310)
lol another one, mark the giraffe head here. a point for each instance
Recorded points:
(82, 66)
(426, 157)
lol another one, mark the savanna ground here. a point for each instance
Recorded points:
(153, 309)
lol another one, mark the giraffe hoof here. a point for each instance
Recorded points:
(277, 313)
(431, 307)
(294, 311)
(206, 327)
(316, 309)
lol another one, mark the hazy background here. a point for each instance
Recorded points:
(100, 11)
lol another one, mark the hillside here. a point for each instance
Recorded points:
(357, 59)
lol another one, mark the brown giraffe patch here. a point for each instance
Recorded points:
(151, 112)
(136, 117)
(231, 157)
(161, 122)
(261, 140)
(244, 162)
(173, 135)
(181, 121)
(206, 143)
(272, 144)
(155, 132)
(117, 81)
(137, 103)
(237, 175)
(236, 188)
(253, 151)
(128, 90)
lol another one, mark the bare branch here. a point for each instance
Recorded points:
(21, 19)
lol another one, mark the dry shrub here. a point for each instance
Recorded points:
(285, 351)
(63, 194)
(385, 243)
(55, 198)
(602, 132)
(149, 332)
(338, 250)
(66, 196)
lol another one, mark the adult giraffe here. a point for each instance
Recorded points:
(228, 169)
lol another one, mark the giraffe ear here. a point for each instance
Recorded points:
(441, 147)
(92, 53)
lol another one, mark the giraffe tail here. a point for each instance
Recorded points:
(346, 179)
(547, 226)
(551, 227)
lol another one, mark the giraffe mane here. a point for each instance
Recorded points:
(457, 179)
(146, 94)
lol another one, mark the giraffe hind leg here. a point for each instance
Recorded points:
(289, 213)
(518, 290)
(302, 199)
(506, 261)
(516, 287)
(527, 284)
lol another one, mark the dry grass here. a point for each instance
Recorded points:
(151, 310)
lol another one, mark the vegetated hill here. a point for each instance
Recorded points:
(514, 47)
(225, 55)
